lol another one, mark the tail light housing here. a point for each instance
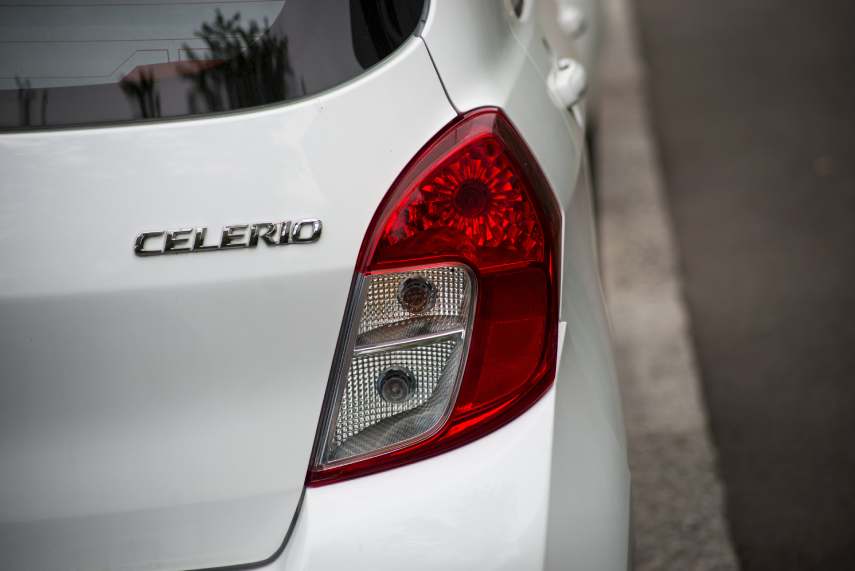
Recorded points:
(451, 328)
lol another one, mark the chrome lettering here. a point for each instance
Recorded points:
(190, 240)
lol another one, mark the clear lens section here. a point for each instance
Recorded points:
(388, 302)
(406, 361)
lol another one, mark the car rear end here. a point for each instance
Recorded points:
(306, 285)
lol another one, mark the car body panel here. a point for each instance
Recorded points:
(551, 489)
(582, 45)
(159, 412)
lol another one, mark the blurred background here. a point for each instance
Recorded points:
(726, 169)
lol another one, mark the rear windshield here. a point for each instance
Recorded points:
(76, 62)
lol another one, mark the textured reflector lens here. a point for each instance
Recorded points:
(385, 317)
(405, 366)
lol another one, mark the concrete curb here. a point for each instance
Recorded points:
(677, 496)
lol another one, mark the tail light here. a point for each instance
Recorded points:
(452, 321)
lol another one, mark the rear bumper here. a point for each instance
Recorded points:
(483, 506)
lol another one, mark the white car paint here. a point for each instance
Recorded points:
(159, 413)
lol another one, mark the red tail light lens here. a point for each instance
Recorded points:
(474, 203)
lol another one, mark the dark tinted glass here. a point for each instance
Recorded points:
(74, 62)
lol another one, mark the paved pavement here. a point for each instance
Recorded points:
(754, 106)
(677, 499)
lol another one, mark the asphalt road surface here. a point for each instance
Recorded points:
(753, 106)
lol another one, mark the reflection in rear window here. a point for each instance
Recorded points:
(74, 62)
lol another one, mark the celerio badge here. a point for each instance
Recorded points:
(190, 240)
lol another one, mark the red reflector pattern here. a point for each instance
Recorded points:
(478, 194)
(473, 196)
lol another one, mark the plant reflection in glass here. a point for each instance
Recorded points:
(143, 92)
(241, 66)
